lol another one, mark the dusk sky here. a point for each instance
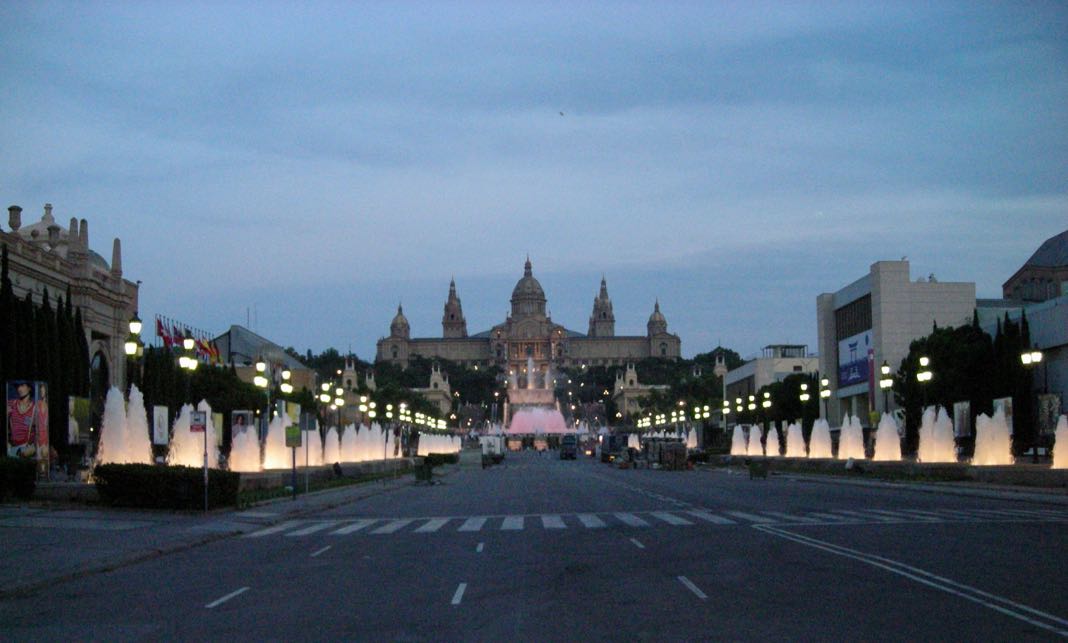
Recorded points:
(317, 163)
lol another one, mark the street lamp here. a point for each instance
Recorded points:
(133, 347)
(804, 396)
(825, 394)
(924, 376)
(1030, 359)
(885, 382)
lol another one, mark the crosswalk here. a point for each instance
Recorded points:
(648, 519)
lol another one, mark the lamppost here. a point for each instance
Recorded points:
(885, 382)
(134, 348)
(188, 361)
(825, 395)
(923, 376)
(1031, 359)
(261, 380)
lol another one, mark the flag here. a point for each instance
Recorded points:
(161, 331)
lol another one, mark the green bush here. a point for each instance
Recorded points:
(438, 459)
(159, 487)
(18, 478)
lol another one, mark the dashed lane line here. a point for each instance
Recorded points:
(222, 600)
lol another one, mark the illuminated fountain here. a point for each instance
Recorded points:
(691, 439)
(851, 440)
(1060, 446)
(993, 446)
(795, 442)
(887, 440)
(738, 446)
(245, 451)
(754, 441)
(187, 448)
(276, 455)
(331, 446)
(124, 432)
(633, 441)
(432, 443)
(819, 443)
(310, 452)
(771, 442)
(936, 437)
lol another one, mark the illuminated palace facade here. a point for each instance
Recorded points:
(530, 333)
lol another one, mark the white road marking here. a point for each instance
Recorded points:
(512, 523)
(631, 519)
(275, 529)
(432, 525)
(590, 521)
(637, 544)
(480, 547)
(831, 517)
(459, 595)
(393, 526)
(553, 522)
(354, 527)
(1000, 604)
(670, 518)
(865, 517)
(712, 518)
(312, 529)
(785, 517)
(693, 588)
(321, 551)
(472, 524)
(902, 516)
(226, 598)
(751, 517)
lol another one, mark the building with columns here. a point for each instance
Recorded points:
(44, 254)
(529, 332)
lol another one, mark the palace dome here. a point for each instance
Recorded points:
(528, 298)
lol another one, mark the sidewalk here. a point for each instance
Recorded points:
(46, 543)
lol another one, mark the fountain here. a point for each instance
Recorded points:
(432, 443)
(1060, 445)
(795, 441)
(691, 439)
(276, 455)
(887, 440)
(754, 441)
(633, 441)
(819, 443)
(771, 442)
(993, 446)
(124, 432)
(936, 437)
(738, 441)
(331, 447)
(310, 452)
(851, 440)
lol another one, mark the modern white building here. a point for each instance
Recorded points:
(777, 362)
(873, 320)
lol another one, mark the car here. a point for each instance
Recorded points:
(568, 447)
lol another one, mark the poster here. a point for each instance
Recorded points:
(1005, 404)
(160, 425)
(198, 421)
(77, 419)
(1049, 409)
(217, 424)
(855, 357)
(27, 420)
(240, 421)
(962, 419)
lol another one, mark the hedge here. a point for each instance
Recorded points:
(18, 478)
(160, 487)
(438, 459)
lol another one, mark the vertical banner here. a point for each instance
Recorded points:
(240, 421)
(292, 410)
(1049, 409)
(160, 425)
(78, 418)
(217, 422)
(962, 419)
(1005, 404)
(27, 421)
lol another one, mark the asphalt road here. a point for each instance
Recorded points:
(543, 549)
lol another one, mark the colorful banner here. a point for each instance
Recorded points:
(855, 356)
(27, 420)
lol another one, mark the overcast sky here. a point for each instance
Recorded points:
(317, 163)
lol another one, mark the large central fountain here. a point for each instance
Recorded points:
(532, 409)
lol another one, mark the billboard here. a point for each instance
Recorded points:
(855, 357)
(27, 420)
(160, 427)
(962, 419)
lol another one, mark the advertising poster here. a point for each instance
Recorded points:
(160, 425)
(292, 410)
(855, 357)
(198, 421)
(217, 424)
(240, 421)
(27, 420)
(1005, 404)
(77, 418)
(1049, 409)
(962, 419)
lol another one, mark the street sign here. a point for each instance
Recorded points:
(293, 436)
(198, 422)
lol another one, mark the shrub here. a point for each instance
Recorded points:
(438, 459)
(159, 487)
(18, 477)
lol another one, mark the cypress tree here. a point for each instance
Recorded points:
(82, 387)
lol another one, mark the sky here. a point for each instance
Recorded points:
(302, 168)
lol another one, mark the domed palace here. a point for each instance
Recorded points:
(530, 332)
